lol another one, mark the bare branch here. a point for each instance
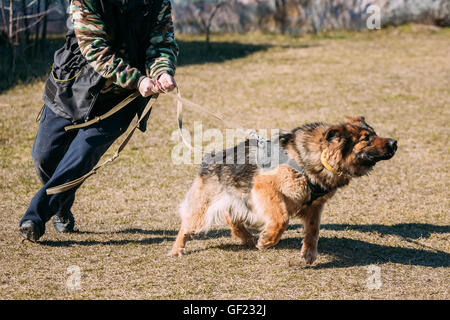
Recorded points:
(31, 3)
(31, 16)
(34, 23)
(198, 13)
(3, 14)
(10, 29)
(213, 13)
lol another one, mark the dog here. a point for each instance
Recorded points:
(322, 158)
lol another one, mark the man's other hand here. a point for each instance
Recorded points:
(167, 82)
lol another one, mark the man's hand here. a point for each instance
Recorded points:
(147, 87)
(167, 82)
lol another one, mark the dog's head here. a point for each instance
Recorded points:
(354, 147)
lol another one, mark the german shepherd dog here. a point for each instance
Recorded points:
(246, 195)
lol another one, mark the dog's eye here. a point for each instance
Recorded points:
(366, 138)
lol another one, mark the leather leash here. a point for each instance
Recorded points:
(180, 100)
(118, 107)
(72, 184)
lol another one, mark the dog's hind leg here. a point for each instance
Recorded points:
(193, 216)
(239, 231)
(178, 248)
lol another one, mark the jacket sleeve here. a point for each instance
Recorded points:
(162, 52)
(93, 42)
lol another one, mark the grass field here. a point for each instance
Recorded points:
(126, 216)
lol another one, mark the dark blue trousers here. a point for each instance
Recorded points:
(61, 156)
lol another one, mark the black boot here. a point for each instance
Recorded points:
(29, 231)
(64, 223)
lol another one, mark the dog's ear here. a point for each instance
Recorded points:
(359, 120)
(332, 133)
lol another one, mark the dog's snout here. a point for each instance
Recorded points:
(392, 144)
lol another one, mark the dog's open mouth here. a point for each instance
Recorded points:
(371, 159)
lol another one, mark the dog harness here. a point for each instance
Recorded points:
(268, 158)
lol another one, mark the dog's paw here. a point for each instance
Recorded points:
(261, 247)
(250, 241)
(264, 244)
(177, 252)
(308, 256)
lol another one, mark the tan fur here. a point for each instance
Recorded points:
(278, 194)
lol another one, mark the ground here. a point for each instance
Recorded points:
(396, 219)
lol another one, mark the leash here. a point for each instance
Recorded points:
(180, 100)
(262, 142)
(72, 184)
(118, 107)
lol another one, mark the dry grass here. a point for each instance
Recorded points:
(398, 218)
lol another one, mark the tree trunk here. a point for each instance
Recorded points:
(25, 22)
(11, 43)
(36, 30)
(208, 31)
(44, 27)
(209, 23)
(11, 21)
(281, 15)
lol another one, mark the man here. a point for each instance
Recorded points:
(115, 48)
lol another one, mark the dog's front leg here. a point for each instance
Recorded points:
(239, 231)
(311, 225)
(271, 235)
(270, 206)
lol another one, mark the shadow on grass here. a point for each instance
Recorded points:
(191, 52)
(28, 68)
(195, 52)
(164, 235)
(217, 233)
(133, 231)
(69, 243)
(346, 252)
(349, 252)
(406, 230)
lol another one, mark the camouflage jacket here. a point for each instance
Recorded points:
(113, 63)
(112, 46)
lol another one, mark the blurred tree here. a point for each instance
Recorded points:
(36, 30)
(44, 26)
(205, 11)
(281, 15)
(25, 22)
(16, 24)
